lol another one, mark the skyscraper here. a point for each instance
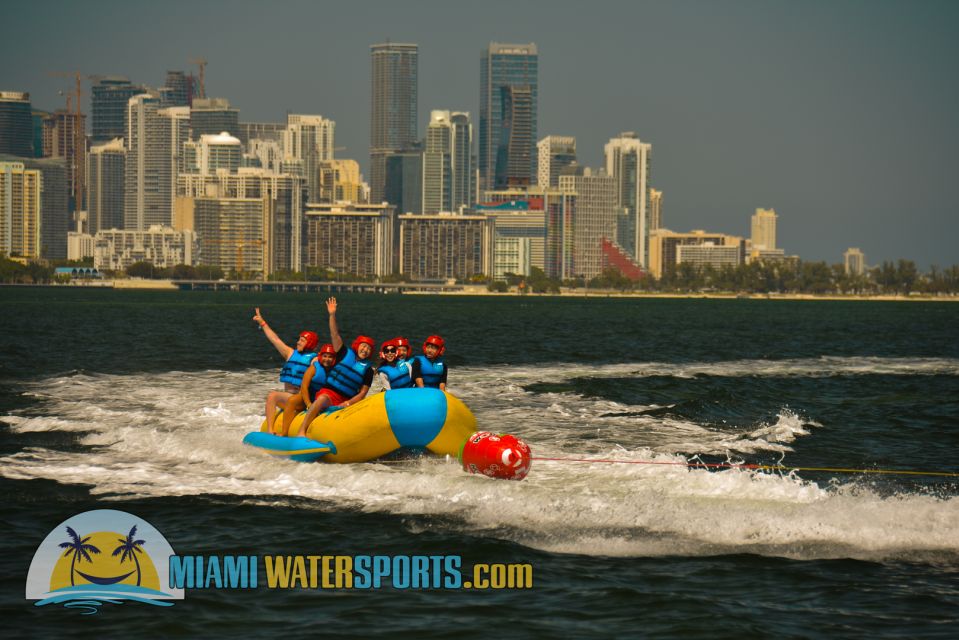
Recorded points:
(106, 164)
(54, 191)
(447, 166)
(508, 95)
(60, 140)
(109, 99)
(180, 89)
(394, 103)
(309, 139)
(855, 261)
(595, 217)
(655, 209)
(148, 180)
(764, 229)
(16, 124)
(553, 154)
(211, 116)
(627, 161)
(19, 210)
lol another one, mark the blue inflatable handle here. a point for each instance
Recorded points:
(300, 449)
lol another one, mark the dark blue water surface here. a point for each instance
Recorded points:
(91, 379)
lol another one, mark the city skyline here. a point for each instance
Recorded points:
(841, 118)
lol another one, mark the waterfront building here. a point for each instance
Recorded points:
(251, 220)
(508, 97)
(250, 131)
(350, 238)
(20, 201)
(664, 248)
(445, 246)
(655, 209)
(554, 153)
(519, 235)
(109, 99)
(16, 124)
(557, 208)
(394, 104)
(54, 195)
(628, 162)
(854, 261)
(309, 139)
(404, 180)
(79, 245)
(106, 166)
(709, 253)
(596, 216)
(764, 229)
(118, 249)
(211, 116)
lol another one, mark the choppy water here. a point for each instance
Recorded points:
(138, 401)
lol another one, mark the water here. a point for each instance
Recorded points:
(138, 401)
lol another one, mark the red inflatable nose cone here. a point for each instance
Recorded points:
(504, 456)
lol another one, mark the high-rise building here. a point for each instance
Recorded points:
(340, 181)
(149, 178)
(595, 218)
(556, 207)
(666, 249)
(553, 154)
(221, 208)
(404, 180)
(394, 104)
(179, 89)
(628, 162)
(655, 209)
(508, 96)
(219, 152)
(309, 139)
(211, 116)
(16, 124)
(54, 211)
(764, 229)
(60, 140)
(106, 165)
(447, 166)
(520, 230)
(109, 99)
(20, 210)
(351, 239)
(855, 261)
(444, 246)
(262, 131)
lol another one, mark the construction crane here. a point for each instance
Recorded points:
(239, 249)
(79, 136)
(201, 63)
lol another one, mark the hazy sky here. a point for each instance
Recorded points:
(843, 115)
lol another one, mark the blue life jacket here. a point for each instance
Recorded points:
(295, 366)
(431, 371)
(399, 374)
(346, 377)
(320, 376)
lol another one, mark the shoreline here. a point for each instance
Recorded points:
(481, 290)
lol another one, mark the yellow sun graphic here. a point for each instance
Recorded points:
(103, 558)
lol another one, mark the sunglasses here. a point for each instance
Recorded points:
(389, 350)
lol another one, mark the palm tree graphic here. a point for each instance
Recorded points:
(79, 548)
(129, 548)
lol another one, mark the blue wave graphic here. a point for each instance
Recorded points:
(88, 597)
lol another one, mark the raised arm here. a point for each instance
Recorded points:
(335, 338)
(284, 349)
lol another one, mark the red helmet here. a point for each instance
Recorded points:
(437, 342)
(311, 340)
(363, 340)
(386, 343)
(327, 348)
(403, 342)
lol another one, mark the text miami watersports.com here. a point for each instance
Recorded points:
(344, 572)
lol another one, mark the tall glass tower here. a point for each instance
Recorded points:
(508, 96)
(393, 110)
